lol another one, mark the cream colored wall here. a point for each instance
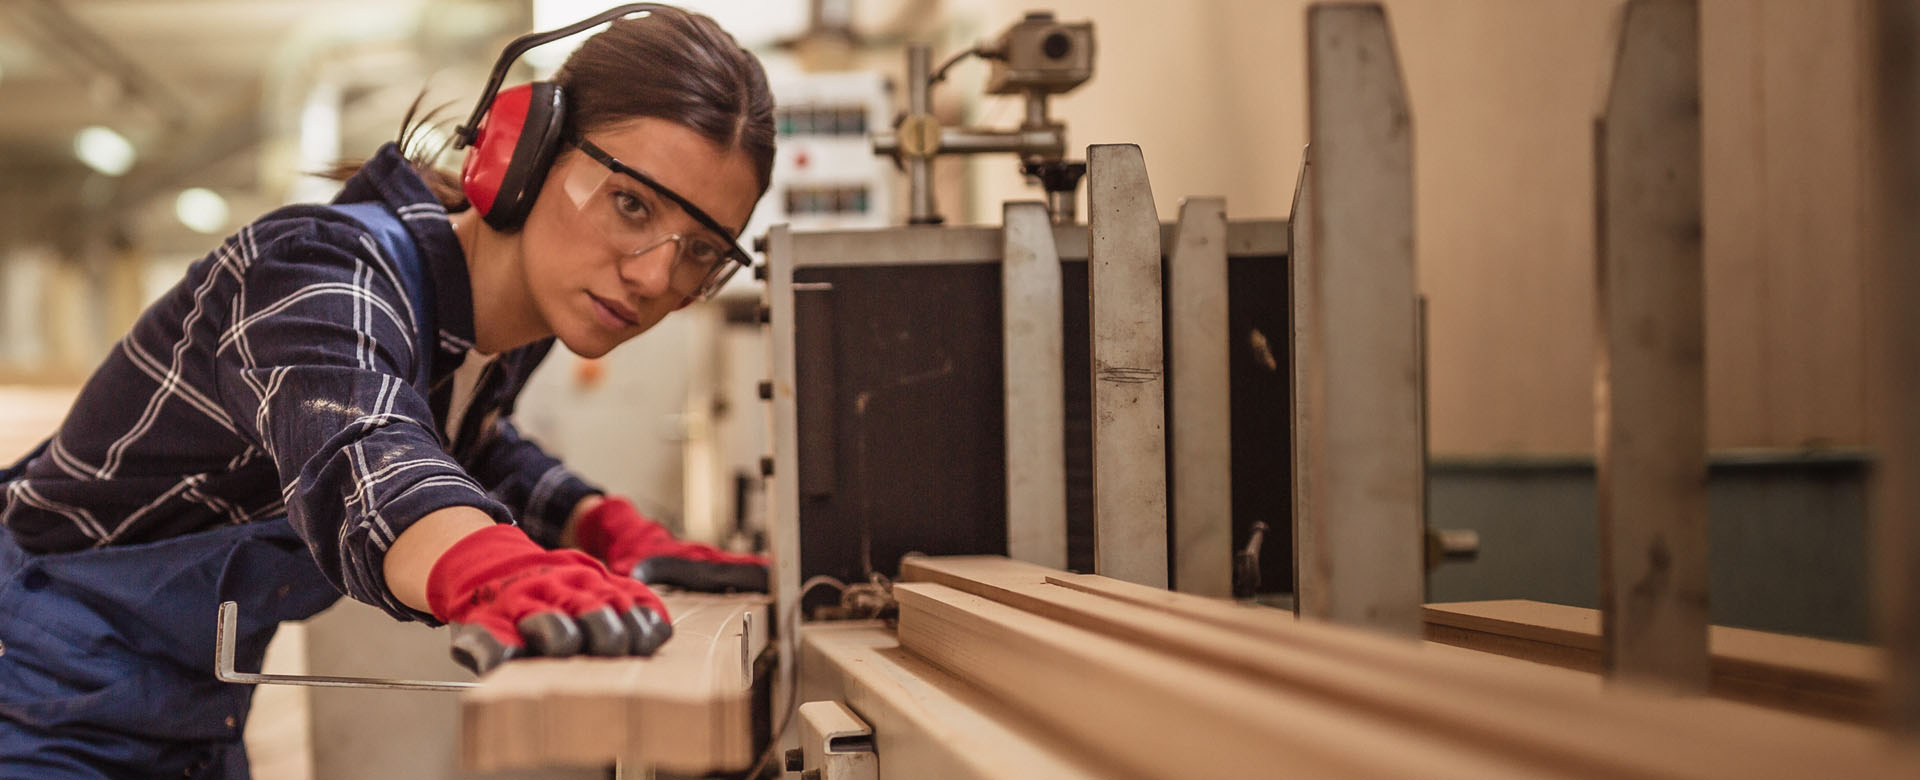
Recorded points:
(1503, 95)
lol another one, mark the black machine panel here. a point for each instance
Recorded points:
(901, 415)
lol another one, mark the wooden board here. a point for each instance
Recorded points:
(28, 415)
(1072, 651)
(1650, 381)
(1802, 674)
(1159, 715)
(686, 709)
(927, 723)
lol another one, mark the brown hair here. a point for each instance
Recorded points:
(667, 64)
(674, 65)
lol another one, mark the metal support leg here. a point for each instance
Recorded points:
(1203, 440)
(1362, 371)
(783, 484)
(1650, 388)
(1129, 392)
(1895, 269)
(1035, 388)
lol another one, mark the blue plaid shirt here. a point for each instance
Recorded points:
(274, 379)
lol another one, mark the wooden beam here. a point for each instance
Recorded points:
(1362, 364)
(1129, 368)
(1010, 627)
(1036, 407)
(1650, 388)
(928, 723)
(1158, 715)
(1894, 276)
(1801, 674)
(1202, 411)
(685, 709)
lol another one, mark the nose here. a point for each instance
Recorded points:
(649, 272)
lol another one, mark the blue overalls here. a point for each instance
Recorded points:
(106, 666)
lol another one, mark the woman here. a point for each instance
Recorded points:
(321, 407)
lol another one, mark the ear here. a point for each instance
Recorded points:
(684, 303)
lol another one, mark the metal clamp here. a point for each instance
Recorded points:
(227, 634)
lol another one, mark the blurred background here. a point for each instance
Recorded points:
(134, 134)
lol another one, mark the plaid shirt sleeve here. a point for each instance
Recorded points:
(312, 363)
(540, 489)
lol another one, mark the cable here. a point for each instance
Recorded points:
(792, 627)
(940, 73)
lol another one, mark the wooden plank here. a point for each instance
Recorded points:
(1129, 368)
(1309, 546)
(1896, 350)
(957, 571)
(1650, 396)
(1523, 713)
(1203, 437)
(1362, 367)
(930, 724)
(685, 709)
(1264, 645)
(28, 415)
(1036, 411)
(1160, 715)
(1802, 674)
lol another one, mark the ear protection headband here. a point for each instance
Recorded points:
(515, 133)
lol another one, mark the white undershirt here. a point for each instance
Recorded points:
(465, 379)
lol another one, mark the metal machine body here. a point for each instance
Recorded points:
(890, 431)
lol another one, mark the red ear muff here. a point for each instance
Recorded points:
(515, 133)
(513, 147)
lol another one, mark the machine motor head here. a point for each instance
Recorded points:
(1039, 54)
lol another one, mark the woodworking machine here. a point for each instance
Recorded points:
(935, 391)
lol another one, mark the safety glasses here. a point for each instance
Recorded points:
(633, 212)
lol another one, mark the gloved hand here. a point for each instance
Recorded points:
(615, 532)
(508, 597)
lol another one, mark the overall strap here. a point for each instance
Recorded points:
(398, 245)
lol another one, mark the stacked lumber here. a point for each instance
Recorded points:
(928, 724)
(685, 709)
(1168, 685)
(1813, 676)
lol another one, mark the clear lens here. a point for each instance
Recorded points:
(635, 220)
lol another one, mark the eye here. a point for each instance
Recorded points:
(630, 206)
(704, 253)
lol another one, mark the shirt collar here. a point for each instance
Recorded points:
(390, 179)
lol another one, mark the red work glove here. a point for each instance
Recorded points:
(509, 597)
(617, 533)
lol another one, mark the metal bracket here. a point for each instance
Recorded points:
(835, 744)
(227, 634)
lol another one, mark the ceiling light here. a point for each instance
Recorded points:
(103, 150)
(201, 209)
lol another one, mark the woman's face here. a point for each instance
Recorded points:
(607, 256)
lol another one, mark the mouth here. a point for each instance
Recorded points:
(613, 314)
